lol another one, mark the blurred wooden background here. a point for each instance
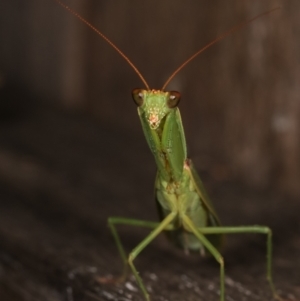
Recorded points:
(240, 99)
(72, 151)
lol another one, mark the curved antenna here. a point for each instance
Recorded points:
(107, 40)
(221, 37)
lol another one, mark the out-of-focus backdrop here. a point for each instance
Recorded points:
(240, 99)
(70, 140)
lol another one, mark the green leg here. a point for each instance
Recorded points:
(158, 228)
(215, 253)
(112, 222)
(249, 229)
(200, 232)
(162, 226)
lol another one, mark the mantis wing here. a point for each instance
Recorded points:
(212, 217)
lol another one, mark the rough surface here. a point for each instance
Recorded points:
(62, 175)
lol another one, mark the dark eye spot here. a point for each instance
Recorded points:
(174, 99)
(138, 96)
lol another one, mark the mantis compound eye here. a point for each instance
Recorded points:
(174, 99)
(138, 97)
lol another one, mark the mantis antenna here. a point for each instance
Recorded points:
(219, 38)
(107, 40)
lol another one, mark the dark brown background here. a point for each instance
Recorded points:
(72, 151)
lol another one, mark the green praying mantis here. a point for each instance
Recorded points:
(185, 210)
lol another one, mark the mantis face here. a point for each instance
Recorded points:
(155, 104)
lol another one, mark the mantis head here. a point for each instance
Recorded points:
(155, 104)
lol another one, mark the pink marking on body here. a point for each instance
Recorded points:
(153, 119)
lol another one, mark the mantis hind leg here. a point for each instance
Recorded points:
(250, 229)
(215, 253)
(112, 222)
(158, 228)
(200, 232)
(162, 226)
